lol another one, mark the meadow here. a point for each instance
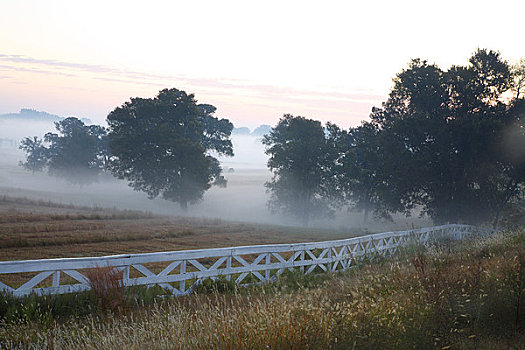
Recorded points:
(468, 295)
(31, 229)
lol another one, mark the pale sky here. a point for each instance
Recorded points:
(255, 61)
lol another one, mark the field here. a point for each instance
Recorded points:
(32, 229)
(453, 296)
(469, 295)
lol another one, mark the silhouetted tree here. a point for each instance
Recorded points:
(449, 128)
(163, 145)
(363, 170)
(36, 154)
(74, 150)
(518, 81)
(300, 159)
(100, 135)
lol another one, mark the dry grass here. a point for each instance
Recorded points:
(107, 288)
(468, 296)
(42, 230)
(30, 231)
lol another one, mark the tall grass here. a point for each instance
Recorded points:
(452, 296)
(107, 287)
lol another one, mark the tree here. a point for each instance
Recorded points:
(36, 154)
(301, 163)
(100, 135)
(74, 150)
(518, 75)
(363, 170)
(449, 128)
(164, 145)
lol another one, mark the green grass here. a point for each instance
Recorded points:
(468, 295)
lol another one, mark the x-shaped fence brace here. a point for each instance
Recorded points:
(184, 270)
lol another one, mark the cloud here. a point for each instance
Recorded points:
(241, 95)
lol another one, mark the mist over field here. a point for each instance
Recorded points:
(244, 198)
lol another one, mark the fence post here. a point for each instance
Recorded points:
(267, 271)
(56, 278)
(182, 285)
(228, 267)
(330, 263)
(125, 275)
(302, 259)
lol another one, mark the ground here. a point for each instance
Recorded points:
(32, 229)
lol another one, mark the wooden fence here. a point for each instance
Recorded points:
(180, 271)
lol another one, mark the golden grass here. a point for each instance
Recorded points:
(28, 233)
(461, 296)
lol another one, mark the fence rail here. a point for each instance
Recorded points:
(180, 271)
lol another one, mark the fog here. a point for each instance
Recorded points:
(244, 199)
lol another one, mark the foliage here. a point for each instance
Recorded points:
(45, 308)
(216, 285)
(518, 74)
(36, 154)
(72, 150)
(163, 145)
(77, 152)
(300, 160)
(458, 140)
(363, 170)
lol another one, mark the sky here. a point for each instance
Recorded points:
(254, 61)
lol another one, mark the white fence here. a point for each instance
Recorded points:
(180, 271)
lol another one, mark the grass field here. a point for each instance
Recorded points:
(37, 230)
(467, 295)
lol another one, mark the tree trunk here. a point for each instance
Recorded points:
(184, 206)
(512, 190)
(365, 217)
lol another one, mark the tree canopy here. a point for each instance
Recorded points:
(77, 152)
(74, 150)
(450, 143)
(36, 154)
(300, 161)
(452, 127)
(164, 145)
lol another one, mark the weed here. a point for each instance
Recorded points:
(216, 285)
(107, 288)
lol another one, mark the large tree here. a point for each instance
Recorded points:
(452, 127)
(165, 145)
(300, 159)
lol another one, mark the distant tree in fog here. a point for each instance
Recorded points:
(100, 134)
(164, 145)
(36, 154)
(241, 131)
(300, 160)
(261, 130)
(75, 151)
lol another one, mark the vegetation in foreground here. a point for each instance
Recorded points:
(452, 296)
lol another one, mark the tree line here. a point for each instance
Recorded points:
(450, 143)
